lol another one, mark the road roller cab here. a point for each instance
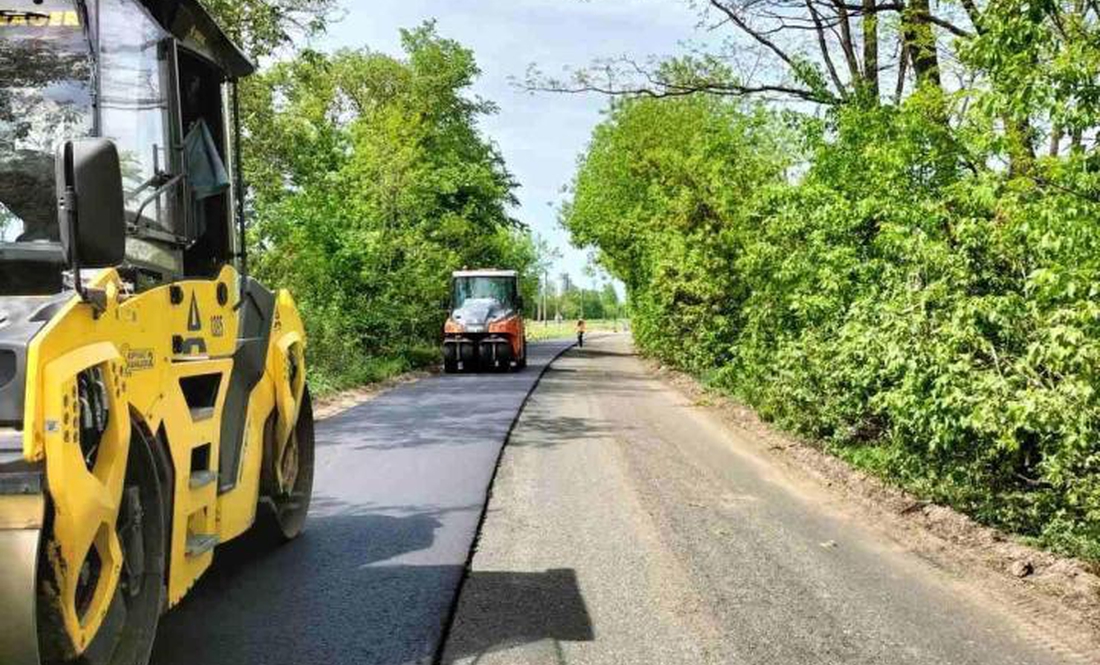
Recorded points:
(485, 329)
(153, 401)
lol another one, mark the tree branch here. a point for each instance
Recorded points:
(974, 14)
(918, 14)
(756, 35)
(825, 49)
(673, 90)
(846, 40)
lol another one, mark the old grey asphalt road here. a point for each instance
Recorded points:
(626, 526)
(401, 483)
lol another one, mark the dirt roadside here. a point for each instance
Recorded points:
(1058, 598)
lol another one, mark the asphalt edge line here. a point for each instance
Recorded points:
(452, 611)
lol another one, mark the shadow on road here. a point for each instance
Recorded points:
(324, 598)
(563, 383)
(594, 352)
(501, 610)
(558, 431)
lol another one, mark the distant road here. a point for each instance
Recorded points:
(401, 483)
(627, 526)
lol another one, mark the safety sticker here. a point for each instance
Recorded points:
(138, 360)
(14, 19)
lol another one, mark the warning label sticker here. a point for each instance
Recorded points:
(21, 19)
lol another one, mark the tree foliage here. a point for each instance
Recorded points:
(262, 27)
(876, 278)
(370, 184)
(1032, 65)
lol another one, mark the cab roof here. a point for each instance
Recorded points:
(485, 273)
(196, 29)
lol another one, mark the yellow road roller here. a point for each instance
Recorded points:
(153, 398)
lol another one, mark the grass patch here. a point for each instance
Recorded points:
(328, 376)
(538, 331)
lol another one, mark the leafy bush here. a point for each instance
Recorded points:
(932, 322)
(371, 185)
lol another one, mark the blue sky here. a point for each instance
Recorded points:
(541, 135)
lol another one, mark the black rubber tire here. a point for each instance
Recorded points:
(450, 368)
(522, 364)
(284, 516)
(128, 632)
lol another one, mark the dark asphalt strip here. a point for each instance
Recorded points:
(400, 489)
(485, 506)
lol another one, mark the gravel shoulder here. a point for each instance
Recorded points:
(631, 523)
(1060, 596)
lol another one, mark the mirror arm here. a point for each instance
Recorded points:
(69, 204)
(97, 298)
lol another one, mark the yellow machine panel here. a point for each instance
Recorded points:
(153, 399)
(166, 357)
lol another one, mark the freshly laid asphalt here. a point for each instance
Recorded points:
(400, 486)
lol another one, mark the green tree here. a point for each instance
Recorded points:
(262, 27)
(376, 183)
(877, 280)
(659, 193)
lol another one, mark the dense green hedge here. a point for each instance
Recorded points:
(371, 183)
(858, 281)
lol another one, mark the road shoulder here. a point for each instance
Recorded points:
(1059, 595)
(634, 521)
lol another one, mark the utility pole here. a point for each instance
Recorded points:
(566, 287)
(557, 309)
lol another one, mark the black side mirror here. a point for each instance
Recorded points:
(90, 204)
(519, 303)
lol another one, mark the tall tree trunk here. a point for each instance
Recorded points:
(1076, 140)
(921, 40)
(870, 49)
(903, 71)
(1056, 135)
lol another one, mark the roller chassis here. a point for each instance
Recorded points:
(485, 329)
(463, 352)
(210, 373)
(154, 404)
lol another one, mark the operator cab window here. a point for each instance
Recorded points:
(134, 112)
(46, 96)
(205, 162)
